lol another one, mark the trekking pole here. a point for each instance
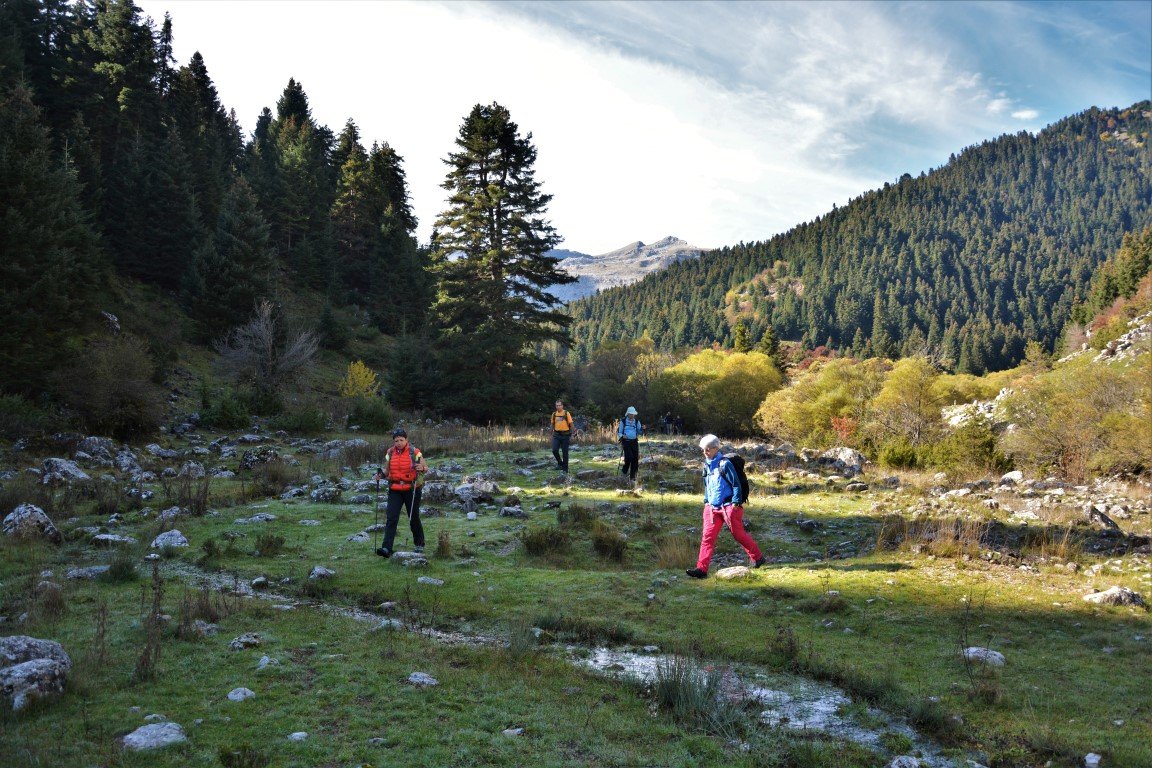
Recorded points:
(376, 522)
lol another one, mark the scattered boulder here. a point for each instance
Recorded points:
(430, 581)
(63, 470)
(1117, 596)
(90, 572)
(438, 492)
(31, 668)
(733, 573)
(109, 540)
(326, 494)
(846, 460)
(154, 736)
(256, 456)
(28, 521)
(193, 470)
(22, 683)
(904, 761)
(1098, 517)
(101, 448)
(240, 694)
(298, 736)
(246, 640)
(320, 572)
(481, 492)
(984, 656)
(422, 679)
(169, 539)
(16, 649)
(260, 517)
(161, 452)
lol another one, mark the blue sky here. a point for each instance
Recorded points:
(716, 122)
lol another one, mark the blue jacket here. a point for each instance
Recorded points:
(630, 428)
(721, 483)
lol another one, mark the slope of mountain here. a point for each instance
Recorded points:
(622, 266)
(970, 261)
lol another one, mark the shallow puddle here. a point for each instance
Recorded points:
(787, 701)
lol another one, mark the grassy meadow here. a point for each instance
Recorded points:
(876, 591)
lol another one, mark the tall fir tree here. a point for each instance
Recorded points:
(211, 138)
(491, 259)
(232, 271)
(52, 272)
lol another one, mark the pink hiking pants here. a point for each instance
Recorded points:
(715, 518)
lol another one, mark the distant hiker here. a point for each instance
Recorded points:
(561, 435)
(666, 423)
(628, 433)
(403, 467)
(723, 504)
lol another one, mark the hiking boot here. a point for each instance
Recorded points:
(384, 552)
(760, 562)
(418, 550)
(697, 573)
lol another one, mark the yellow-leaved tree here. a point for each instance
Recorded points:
(359, 381)
(716, 391)
(831, 392)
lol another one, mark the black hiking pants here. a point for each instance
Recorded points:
(409, 499)
(631, 457)
(560, 441)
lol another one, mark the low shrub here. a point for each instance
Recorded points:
(544, 540)
(227, 411)
(243, 756)
(307, 420)
(829, 602)
(21, 418)
(692, 695)
(48, 603)
(270, 478)
(676, 552)
(899, 455)
(608, 542)
(942, 537)
(585, 630)
(576, 516)
(359, 454)
(522, 640)
(443, 544)
(372, 414)
(970, 449)
(110, 388)
(269, 545)
(122, 568)
(210, 553)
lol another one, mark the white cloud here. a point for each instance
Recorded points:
(715, 122)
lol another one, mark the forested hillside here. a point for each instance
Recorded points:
(970, 261)
(133, 201)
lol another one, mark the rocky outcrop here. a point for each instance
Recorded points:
(31, 668)
(28, 521)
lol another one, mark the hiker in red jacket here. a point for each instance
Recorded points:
(403, 469)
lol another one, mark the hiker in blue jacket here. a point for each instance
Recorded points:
(723, 505)
(628, 433)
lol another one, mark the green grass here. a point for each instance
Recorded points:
(886, 626)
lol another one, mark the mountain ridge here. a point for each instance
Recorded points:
(620, 267)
